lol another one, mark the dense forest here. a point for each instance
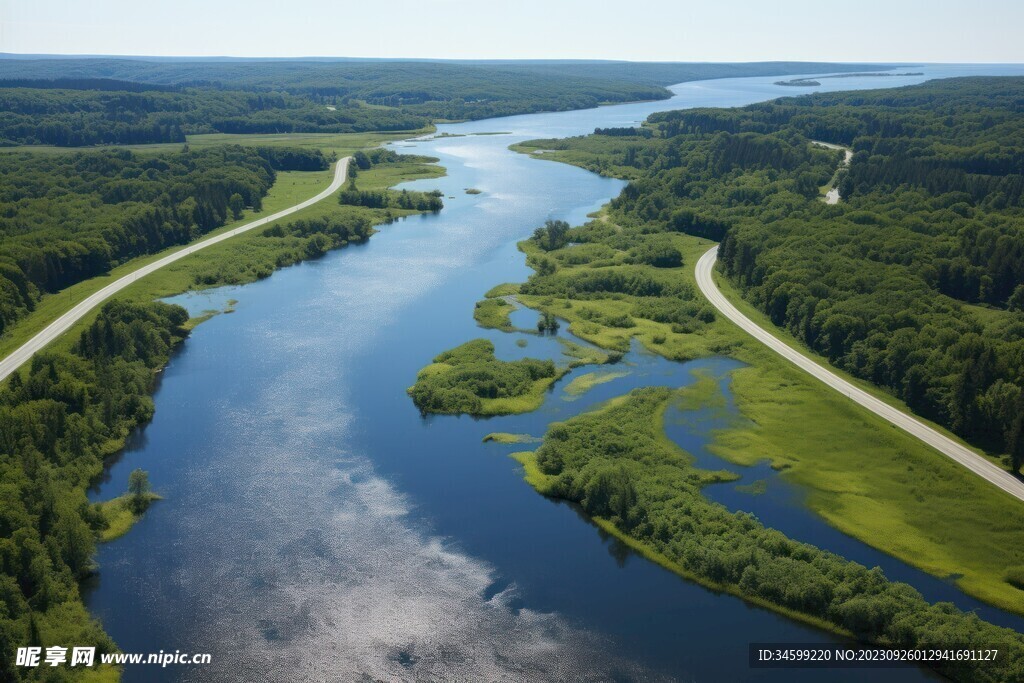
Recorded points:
(76, 102)
(59, 419)
(411, 80)
(66, 218)
(74, 118)
(89, 111)
(380, 199)
(616, 464)
(915, 281)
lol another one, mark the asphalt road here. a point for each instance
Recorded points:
(64, 322)
(943, 444)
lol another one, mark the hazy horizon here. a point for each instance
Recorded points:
(894, 31)
(356, 58)
(516, 60)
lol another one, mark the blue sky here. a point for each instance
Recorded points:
(674, 30)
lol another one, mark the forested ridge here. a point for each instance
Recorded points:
(437, 80)
(76, 102)
(914, 281)
(75, 118)
(67, 110)
(66, 218)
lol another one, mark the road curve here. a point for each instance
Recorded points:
(948, 447)
(65, 321)
(832, 196)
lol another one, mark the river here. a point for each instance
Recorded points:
(315, 527)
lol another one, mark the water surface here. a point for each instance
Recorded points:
(316, 527)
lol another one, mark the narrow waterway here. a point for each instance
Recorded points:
(315, 527)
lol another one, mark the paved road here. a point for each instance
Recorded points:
(832, 196)
(61, 324)
(948, 447)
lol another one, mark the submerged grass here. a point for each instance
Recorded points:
(584, 355)
(584, 383)
(703, 393)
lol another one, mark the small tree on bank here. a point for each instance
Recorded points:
(554, 235)
(138, 489)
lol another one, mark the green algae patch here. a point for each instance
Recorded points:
(507, 438)
(584, 355)
(755, 488)
(584, 383)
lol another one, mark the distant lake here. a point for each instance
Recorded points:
(315, 527)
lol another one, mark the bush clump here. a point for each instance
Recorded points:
(470, 379)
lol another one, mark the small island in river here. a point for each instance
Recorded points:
(812, 82)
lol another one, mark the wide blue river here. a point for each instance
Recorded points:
(315, 527)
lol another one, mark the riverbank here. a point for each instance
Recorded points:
(637, 484)
(249, 257)
(861, 475)
(91, 388)
(289, 189)
(121, 514)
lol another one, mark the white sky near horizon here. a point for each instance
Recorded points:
(653, 30)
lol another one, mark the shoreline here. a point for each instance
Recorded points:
(981, 587)
(146, 292)
(14, 360)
